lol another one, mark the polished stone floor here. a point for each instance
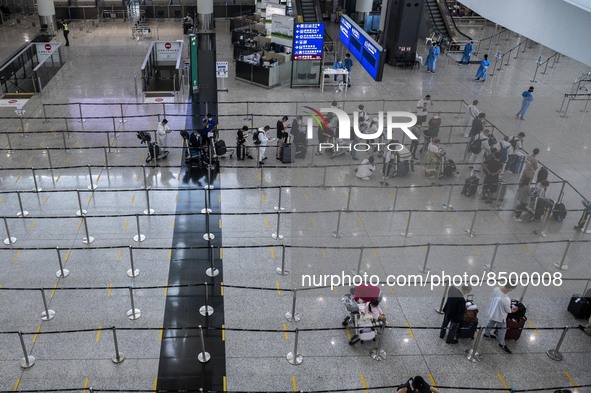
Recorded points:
(101, 64)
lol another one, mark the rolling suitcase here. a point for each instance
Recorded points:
(517, 163)
(470, 186)
(287, 153)
(514, 328)
(467, 329)
(300, 151)
(580, 307)
(240, 152)
(220, 148)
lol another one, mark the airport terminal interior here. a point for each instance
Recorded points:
(185, 272)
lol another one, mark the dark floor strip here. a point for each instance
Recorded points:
(179, 368)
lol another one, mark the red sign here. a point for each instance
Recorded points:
(159, 99)
(47, 47)
(12, 101)
(167, 45)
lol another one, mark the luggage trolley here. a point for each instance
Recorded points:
(364, 328)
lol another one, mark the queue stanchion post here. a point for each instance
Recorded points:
(123, 120)
(393, 208)
(81, 120)
(472, 353)
(544, 223)
(277, 235)
(358, 271)
(560, 265)
(523, 293)
(28, 360)
(490, 266)
(282, 271)
(22, 212)
(443, 298)
(425, 269)
(294, 357)
(324, 178)
(207, 235)
(9, 144)
(348, 198)
(496, 204)
(106, 158)
(337, 234)
(554, 353)
(278, 207)
(45, 120)
(80, 212)
(133, 272)
(561, 193)
(20, 113)
(118, 357)
(211, 270)
(50, 166)
(91, 186)
(88, 239)
(262, 177)
(586, 229)
(108, 141)
(203, 356)
(134, 313)
(139, 237)
(406, 232)
(114, 127)
(206, 310)
(378, 352)
(206, 198)
(148, 211)
(62, 273)
(9, 239)
(37, 187)
(48, 314)
(448, 205)
(293, 316)
(470, 232)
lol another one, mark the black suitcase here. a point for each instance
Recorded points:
(517, 163)
(241, 152)
(470, 186)
(580, 307)
(287, 153)
(467, 329)
(300, 151)
(220, 148)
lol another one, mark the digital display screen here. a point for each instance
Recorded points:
(308, 41)
(362, 47)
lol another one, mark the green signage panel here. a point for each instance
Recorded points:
(193, 58)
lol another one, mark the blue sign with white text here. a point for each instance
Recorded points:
(308, 41)
(367, 52)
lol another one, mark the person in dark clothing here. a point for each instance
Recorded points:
(66, 30)
(241, 140)
(454, 310)
(491, 168)
(281, 135)
(477, 125)
(416, 385)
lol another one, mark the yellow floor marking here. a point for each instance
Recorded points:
(155, 383)
(323, 252)
(36, 334)
(363, 383)
(161, 333)
(3, 200)
(85, 385)
(220, 198)
(572, 381)
(267, 223)
(262, 196)
(360, 222)
(348, 333)
(222, 288)
(42, 144)
(98, 334)
(178, 178)
(68, 255)
(68, 159)
(503, 381)
(172, 224)
(58, 178)
(223, 333)
(412, 335)
(133, 199)
(454, 221)
(33, 225)
(285, 331)
(89, 199)
(500, 219)
(53, 291)
(110, 289)
(391, 288)
(526, 249)
(433, 382)
(220, 223)
(314, 223)
(374, 253)
(434, 194)
(170, 255)
(98, 177)
(295, 385)
(339, 175)
(278, 288)
(476, 250)
(219, 176)
(45, 200)
(165, 291)
(272, 251)
(18, 382)
(221, 253)
(79, 223)
(259, 174)
(15, 257)
(306, 197)
(118, 257)
(224, 384)
(17, 179)
(299, 174)
(531, 325)
(113, 140)
(30, 159)
(137, 177)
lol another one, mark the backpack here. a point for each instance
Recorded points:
(476, 145)
(504, 153)
(513, 142)
(542, 175)
(492, 140)
(559, 212)
(144, 136)
(520, 313)
(255, 138)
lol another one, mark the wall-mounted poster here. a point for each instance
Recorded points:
(270, 10)
(282, 30)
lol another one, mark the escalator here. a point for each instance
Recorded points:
(442, 21)
(308, 10)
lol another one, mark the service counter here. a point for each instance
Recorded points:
(268, 77)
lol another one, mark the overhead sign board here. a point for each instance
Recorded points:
(308, 41)
(361, 46)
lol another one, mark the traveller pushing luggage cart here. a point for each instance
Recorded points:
(363, 312)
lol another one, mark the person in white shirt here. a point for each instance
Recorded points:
(423, 109)
(472, 113)
(497, 314)
(162, 134)
(476, 158)
(366, 168)
(433, 158)
(264, 142)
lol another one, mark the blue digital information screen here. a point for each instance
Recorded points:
(362, 47)
(308, 41)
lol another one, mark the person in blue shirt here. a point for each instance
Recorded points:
(468, 49)
(528, 98)
(431, 61)
(348, 67)
(481, 73)
(338, 65)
